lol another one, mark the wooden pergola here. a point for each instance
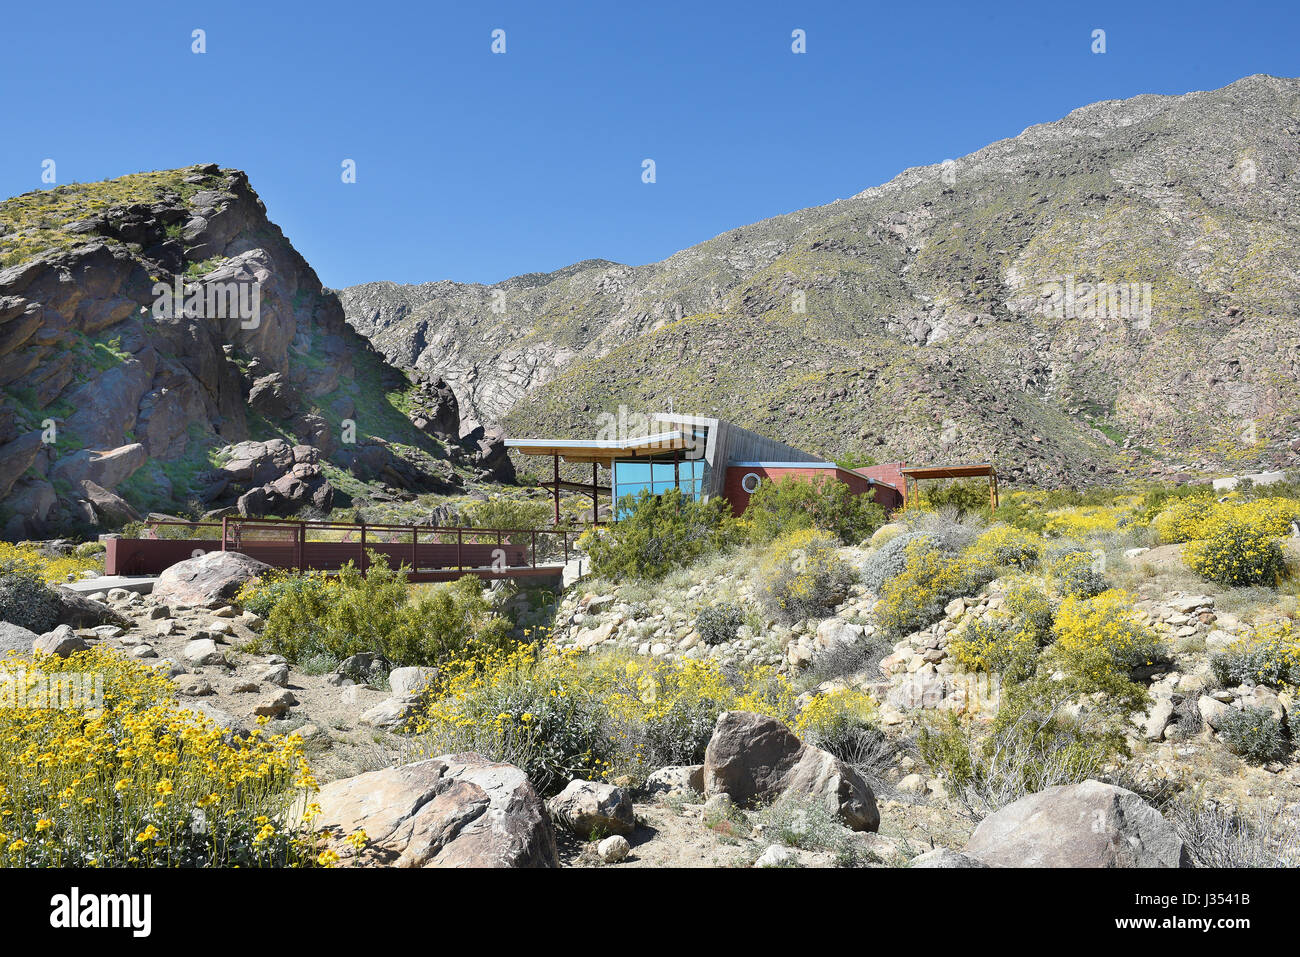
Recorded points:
(602, 452)
(919, 473)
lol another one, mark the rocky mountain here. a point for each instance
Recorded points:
(1112, 293)
(164, 346)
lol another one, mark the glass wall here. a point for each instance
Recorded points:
(633, 476)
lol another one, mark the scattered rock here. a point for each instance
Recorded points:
(62, 641)
(202, 651)
(613, 849)
(678, 779)
(945, 857)
(591, 807)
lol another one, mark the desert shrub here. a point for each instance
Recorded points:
(565, 715)
(1102, 641)
(1272, 658)
(1218, 837)
(1005, 546)
(1007, 642)
(341, 616)
(930, 579)
(52, 568)
(260, 595)
(1074, 574)
(657, 534)
(140, 781)
(803, 576)
(837, 720)
(807, 823)
(886, 561)
(948, 529)
(507, 513)
(1032, 744)
(1254, 734)
(1272, 515)
(26, 600)
(719, 623)
(962, 497)
(1185, 520)
(788, 504)
(1237, 553)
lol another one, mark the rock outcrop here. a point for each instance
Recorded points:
(458, 810)
(1080, 825)
(139, 340)
(752, 757)
(208, 580)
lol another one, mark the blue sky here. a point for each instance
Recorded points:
(476, 166)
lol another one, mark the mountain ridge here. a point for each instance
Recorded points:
(1124, 189)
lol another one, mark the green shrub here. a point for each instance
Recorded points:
(964, 496)
(1007, 642)
(719, 623)
(1237, 553)
(1101, 642)
(657, 534)
(508, 513)
(930, 579)
(1074, 575)
(1273, 658)
(1031, 745)
(1254, 734)
(792, 503)
(802, 576)
(335, 618)
(26, 600)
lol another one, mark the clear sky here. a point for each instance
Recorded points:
(477, 166)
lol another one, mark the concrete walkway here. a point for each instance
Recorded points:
(138, 583)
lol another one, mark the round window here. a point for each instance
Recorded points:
(750, 482)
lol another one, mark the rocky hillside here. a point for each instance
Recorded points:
(163, 346)
(947, 314)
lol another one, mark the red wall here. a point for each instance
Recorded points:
(739, 498)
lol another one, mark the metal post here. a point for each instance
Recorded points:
(534, 548)
(415, 551)
(595, 495)
(302, 546)
(224, 519)
(556, 459)
(363, 547)
(459, 564)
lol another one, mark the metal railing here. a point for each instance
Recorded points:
(316, 545)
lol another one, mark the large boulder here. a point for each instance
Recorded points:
(15, 638)
(592, 807)
(458, 810)
(210, 580)
(1078, 825)
(81, 612)
(106, 469)
(62, 641)
(752, 757)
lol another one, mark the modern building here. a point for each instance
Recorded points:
(707, 457)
